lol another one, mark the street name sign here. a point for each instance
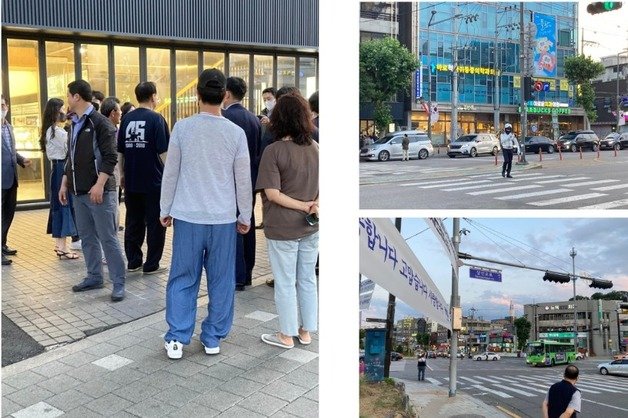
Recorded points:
(485, 274)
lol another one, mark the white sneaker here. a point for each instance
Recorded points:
(76, 246)
(212, 350)
(174, 349)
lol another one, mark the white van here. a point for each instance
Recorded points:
(389, 147)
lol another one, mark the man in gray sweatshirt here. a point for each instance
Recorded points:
(206, 181)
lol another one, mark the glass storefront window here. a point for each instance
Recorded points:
(239, 67)
(214, 60)
(59, 68)
(285, 72)
(158, 71)
(127, 70)
(262, 79)
(95, 66)
(187, 76)
(25, 115)
(307, 76)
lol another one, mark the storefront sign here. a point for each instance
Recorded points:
(465, 69)
(547, 110)
(418, 76)
(386, 258)
(537, 103)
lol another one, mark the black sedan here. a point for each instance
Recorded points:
(535, 143)
(611, 141)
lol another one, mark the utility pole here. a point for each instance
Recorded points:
(429, 79)
(523, 65)
(455, 303)
(454, 88)
(573, 254)
(390, 319)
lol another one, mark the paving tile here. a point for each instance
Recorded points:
(30, 395)
(303, 407)
(112, 362)
(281, 365)
(283, 414)
(222, 371)
(9, 407)
(109, 404)
(263, 375)
(302, 378)
(38, 410)
(313, 394)
(284, 390)
(194, 409)
(162, 379)
(98, 388)
(238, 412)
(297, 354)
(59, 384)
(261, 316)
(153, 407)
(124, 376)
(69, 399)
(52, 368)
(263, 403)
(137, 391)
(177, 395)
(200, 383)
(243, 361)
(78, 359)
(218, 400)
(81, 412)
(241, 386)
(184, 368)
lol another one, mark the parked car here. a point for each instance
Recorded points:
(487, 355)
(394, 356)
(389, 147)
(536, 143)
(623, 140)
(614, 367)
(573, 141)
(620, 356)
(611, 141)
(431, 354)
(474, 145)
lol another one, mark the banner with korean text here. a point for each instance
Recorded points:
(438, 228)
(386, 258)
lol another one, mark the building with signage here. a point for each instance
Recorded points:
(598, 326)
(475, 332)
(608, 86)
(45, 45)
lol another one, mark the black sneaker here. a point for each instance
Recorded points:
(8, 251)
(87, 284)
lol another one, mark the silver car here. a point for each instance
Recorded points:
(614, 367)
(389, 147)
(474, 145)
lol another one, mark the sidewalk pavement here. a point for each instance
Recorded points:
(104, 358)
(429, 400)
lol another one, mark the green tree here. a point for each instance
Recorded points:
(386, 68)
(522, 325)
(580, 70)
(423, 339)
(578, 297)
(614, 295)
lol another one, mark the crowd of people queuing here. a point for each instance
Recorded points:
(201, 179)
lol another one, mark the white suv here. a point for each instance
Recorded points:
(474, 145)
(389, 147)
(486, 356)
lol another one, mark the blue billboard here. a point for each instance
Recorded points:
(544, 46)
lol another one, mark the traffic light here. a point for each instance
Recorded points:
(528, 88)
(601, 284)
(552, 276)
(603, 6)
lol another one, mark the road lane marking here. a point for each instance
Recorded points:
(606, 188)
(607, 205)
(503, 190)
(433, 381)
(604, 404)
(589, 183)
(493, 391)
(560, 200)
(565, 179)
(531, 194)
(507, 412)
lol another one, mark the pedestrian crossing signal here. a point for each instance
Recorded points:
(601, 7)
(551, 276)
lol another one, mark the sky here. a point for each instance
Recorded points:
(543, 243)
(608, 29)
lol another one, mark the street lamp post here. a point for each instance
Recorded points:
(573, 254)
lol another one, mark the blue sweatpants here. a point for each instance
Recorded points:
(195, 246)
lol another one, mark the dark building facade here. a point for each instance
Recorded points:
(115, 45)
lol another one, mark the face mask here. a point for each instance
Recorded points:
(4, 113)
(269, 104)
(508, 130)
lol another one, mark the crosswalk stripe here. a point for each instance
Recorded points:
(546, 385)
(567, 199)
(607, 383)
(492, 391)
(477, 186)
(532, 194)
(596, 387)
(607, 205)
(520, 392)
(543, 391)
(614, 187)
(433, 381)
(562, 179)
(590, 183)
(455, 183)
(529, 175)
(426, 183)
(470, 380)
(503, 190)
(519, 178)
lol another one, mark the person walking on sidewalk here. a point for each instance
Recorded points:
(53, 141)
(405, 147)
(509, 144)
(563, 400)
(288, 175)
(142, 147)
(206, 181)
(238, 114)
(89, 177)
(10, 160)
(421, 365)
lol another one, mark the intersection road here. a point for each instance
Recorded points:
(514, 387)
(476, 183)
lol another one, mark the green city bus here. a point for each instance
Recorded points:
(549, 353)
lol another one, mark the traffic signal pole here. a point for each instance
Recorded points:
(455, 302)
(523, 67)
(573, 254)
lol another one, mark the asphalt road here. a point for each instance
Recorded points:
(519, 389)
(439, 182)
(16, 344)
